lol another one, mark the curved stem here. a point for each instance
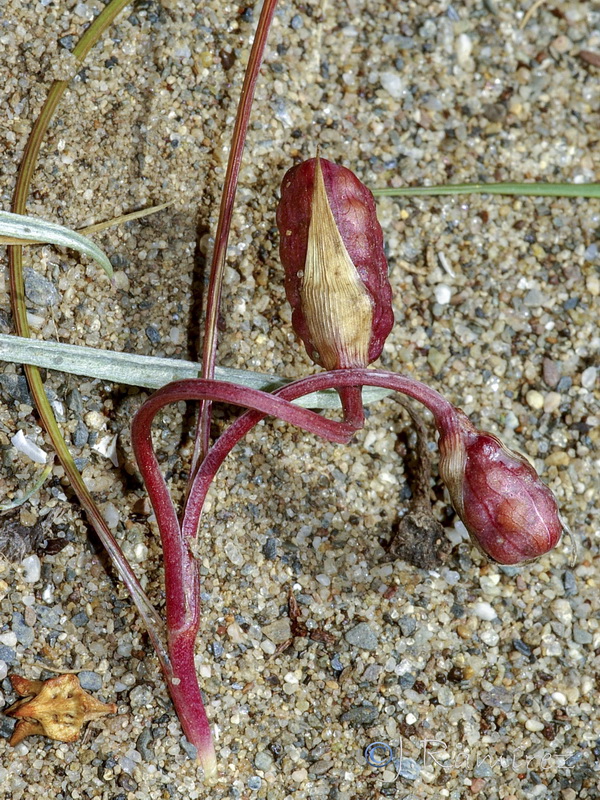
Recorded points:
(444, 415)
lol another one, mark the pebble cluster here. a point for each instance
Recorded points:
(497, 301)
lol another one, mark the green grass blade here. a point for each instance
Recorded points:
(32, 229)
(527, 189)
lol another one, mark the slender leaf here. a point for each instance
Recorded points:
(146, 371)
(529, 189)
(22, 229)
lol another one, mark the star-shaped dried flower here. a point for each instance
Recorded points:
(57, 708)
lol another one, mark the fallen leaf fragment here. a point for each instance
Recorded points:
(57, 708)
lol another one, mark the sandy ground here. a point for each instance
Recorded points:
(497, 301)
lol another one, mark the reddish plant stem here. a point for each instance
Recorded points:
(209, 350)
(352, 405)
(182, 586)
(444, 415)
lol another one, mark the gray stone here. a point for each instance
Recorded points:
(362, 636)
(263, 760)
(75, 402)
(7, 654)
(360, 715)
(153, 334)
(23, 632)
(407, 625)
(143, 744)
(188, 747)
(90, 681)
(581, 636)
(49, 617)
(254, 782)
(39, 290)
(80, 435)
(498, 697)
(270, 548)
(14, 387)
(80, 619)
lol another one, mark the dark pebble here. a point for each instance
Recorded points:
(564, 384)
(570, 583)
(494, 112)
(80, 463)
(523, 648)
(498, 697)
(126, 782)
(189, 748)
(408, 625)
(336, 664)
(407, 681)
(80, 435)
(153, 334)
(5, 321)
(270, 548)
(143, 744)
(297, 22)
(14, 387)
(67, 42)
(7, 726)
(570, 303)
(75, 402)
(39, 290)
(217, 649)
(360, 715)
(22, 631)
(80, 619)
(550, 372)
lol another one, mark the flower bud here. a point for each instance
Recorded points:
(510, 514)
(331, 246)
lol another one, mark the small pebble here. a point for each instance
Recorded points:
(534, 725)
(140, 696)
(552, 402)
(263, 760)
(362, 636)
(360, 715)
(22, 631)
(278, 631)
(80, 620)
(464, 48)
(392, 83)
(588, 377)
(33, 568)
(90, 681)
(535, 399)
(255, 782)
(443, 294)
(497, 697)
(39, 290)
(484, 611)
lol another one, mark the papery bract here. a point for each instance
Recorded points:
(510, 514)
(331, 246)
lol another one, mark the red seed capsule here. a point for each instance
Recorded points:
(331, 246)
(510, 514)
